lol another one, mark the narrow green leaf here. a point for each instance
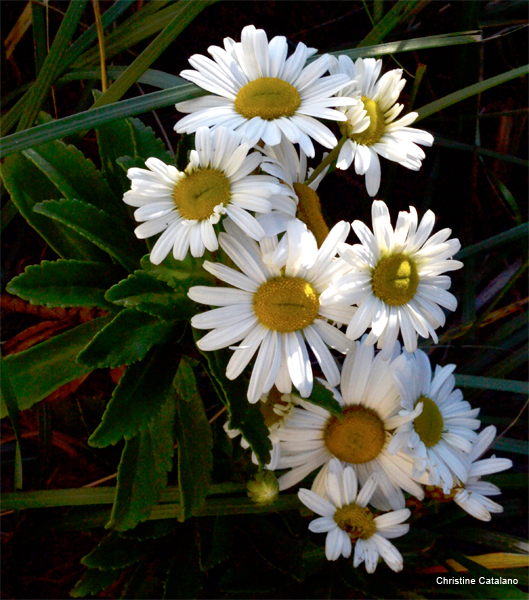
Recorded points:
(52, 64)
(27, 187)
(470, 91)
(96, 226)
(9, 211)
(176, 273)
(496, 540)
(142, 473)
(400, 13)
(139, 397)
(125, 340)
(186, 11)
(37, 372)
(490, 383)
(96, 117)
(148, 294)
(94, 581)
(114, 552)
(38, 25)
(66, 283)
(510, 445)
(498, 240)
(446, 143)
(195, 442)
(9, 401)
(154, 77)
(75, 176)
(324, 398)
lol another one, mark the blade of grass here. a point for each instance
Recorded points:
(471, 90)
(495, 241)
(159, 79)
(39, 34)
(492, 383)
(97, 116)
(446, 143)
(400, 13)
(510, 445)
(8, 396)
(187, 11)
(101, 44)
(52, 65)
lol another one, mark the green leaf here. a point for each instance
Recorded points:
(37, 372)
(75, 176)
(491, 383)
(94, 581)
(470, 91)
(497, 240)
(66, 283)
(142, 473)
(153, 77)
(139, 397)
(195, 442)
(324, 398)
(27, 187)
(153, 296)
(184, 577)
(186, 11)
(125, 340)
(177, 272)
(9, 401)
(98, 227)
(255, 432)
(114, 552)
(510, 445)
(400, 13)
(52, 65)
(496, 540)
(146, 144)
(215, 540)
(96, 117)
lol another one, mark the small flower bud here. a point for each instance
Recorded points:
(264, 488)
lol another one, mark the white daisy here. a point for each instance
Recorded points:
(346, 519)
(440, 438)
(396, 278)
(186, 205)
(472, 496)
(275, 310)
(371, 127)
(284, 162)
(313, 437)
(264, 95)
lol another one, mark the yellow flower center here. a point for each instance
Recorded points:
(286, 304)
(274, 399)
(199, 192)
(356, 521)
(377, 125)
(395, 279)
(269, 98)
(429, 424)
(309, 211)
(357, 437)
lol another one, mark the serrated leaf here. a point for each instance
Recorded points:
(151, 295)
(94, 581)
(215, 536)
(96, 226)
(256, 433)
(27, 187)
(37, 372)
(195, 442)
(152, 530)
(125, 340)
(147, 144)
(139, 397)
(142, 473)
(75, 176)
(184, 577)
(114, 552)
(324, 398)
(177, 272)
(66, 283)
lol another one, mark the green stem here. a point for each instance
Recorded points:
(331, 157)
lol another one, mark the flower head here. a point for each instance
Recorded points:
(262, 94)
(371, 128)
(275, 310)
(347, 520)
(396, 278)
(263, 488)
(186, 205)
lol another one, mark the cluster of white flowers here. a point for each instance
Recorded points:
(292, 285)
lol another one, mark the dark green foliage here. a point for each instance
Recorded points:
(114, 552)
(323, 397)
(94, 581)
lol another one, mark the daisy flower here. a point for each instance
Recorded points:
(276, 311)
(186, 205)
(472, 497)
(360, 438)
(440, 438)
(262, 94)
(371, 128)
(396, 278)
(284, 162)
(347, 520)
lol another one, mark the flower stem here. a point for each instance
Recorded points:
(331, 157)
